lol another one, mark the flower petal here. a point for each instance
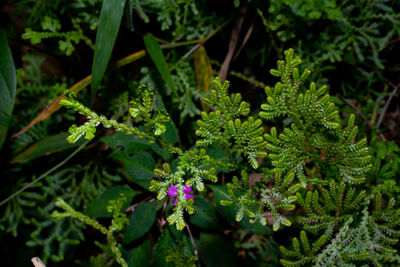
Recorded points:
(172, 191)
(189, 196)
(187, 189)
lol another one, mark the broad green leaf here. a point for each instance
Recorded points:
(218, 154)
(98, 208)
(132, 144)
(220, 193)
(138, 256)
(164, 243)
(142, 219)
(204, 215)
(46, 146)
(229, 212)
(7, 86)
(175, 233)
(110, 20)
(216, 250)
(138, 167)
(156, 54)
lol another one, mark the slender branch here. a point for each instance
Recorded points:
(192, 240)
(359, 112)
(44, 174)
(245, 39)
(194, 48)
(382, 115)
(37, 262)
(149, 198)
(223, 71)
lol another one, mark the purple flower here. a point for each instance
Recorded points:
(187, 191)
(172, 192)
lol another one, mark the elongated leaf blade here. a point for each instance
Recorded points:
(77, 87)
(110, 20)
(47, 146)
(7, 86)
(202, 66)
(156, 54)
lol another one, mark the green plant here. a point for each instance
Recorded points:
(51, 29)
(117, 224)
(79, 185)
(317, 149)
(154, 187)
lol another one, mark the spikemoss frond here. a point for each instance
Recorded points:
(193, 168)
(317, 135)
(142, 110)
(230, 126)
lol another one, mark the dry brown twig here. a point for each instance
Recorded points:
(37, 262)
(223, 71)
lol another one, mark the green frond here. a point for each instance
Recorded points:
(317, 134)
(224, 126)
(194, 166)
(51, 29)
(118, 222)
(141, 110)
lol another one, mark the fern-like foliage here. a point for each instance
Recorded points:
(277, 194)
(332, 206)
(183, 17)
(178, 257)
(118, 222)
(364, 237)
(141, 110)
(230, 126)
(184, 78)
(303, 252)
(317, 135)
(51, 29)
(196, 166)
(78, 185)
(315, 162)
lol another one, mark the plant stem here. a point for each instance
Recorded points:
(44, 174)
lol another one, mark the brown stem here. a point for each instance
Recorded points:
(223, 71)
(382, 115)
(192, 240)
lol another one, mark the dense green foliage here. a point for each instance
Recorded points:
(297, 166)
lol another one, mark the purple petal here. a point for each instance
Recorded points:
(187, 189)
(176, 201)
(172, 191)
(189, 196)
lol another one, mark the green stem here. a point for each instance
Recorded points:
(43, 175)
